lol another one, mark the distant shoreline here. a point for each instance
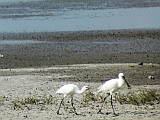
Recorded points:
(82, 35)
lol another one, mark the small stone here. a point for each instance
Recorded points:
(40, 102)
(151, 77)
(141, 63)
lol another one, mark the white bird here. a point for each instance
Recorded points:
(70, 89)
(112, 86)
(1, 55)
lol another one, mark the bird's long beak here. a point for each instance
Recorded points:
(129, 87)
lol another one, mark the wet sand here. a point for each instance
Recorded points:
(62, 48)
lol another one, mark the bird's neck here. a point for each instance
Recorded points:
(120, 83)
(81, 91)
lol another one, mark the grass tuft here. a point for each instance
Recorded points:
(89, 96)
(32, 100)
(141, 97)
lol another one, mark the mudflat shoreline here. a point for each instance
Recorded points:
(83, 47)
(93, 35)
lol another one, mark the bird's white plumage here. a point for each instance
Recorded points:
(109, 86)
(70, 89)
(67, 89)
(112, 86)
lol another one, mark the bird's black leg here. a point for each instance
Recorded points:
(73, 106)
(112, 107)
(100, 110)
(60, 106)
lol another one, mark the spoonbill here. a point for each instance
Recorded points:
(70, 89)
(110, 87)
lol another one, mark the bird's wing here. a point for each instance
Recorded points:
(108, 86)
(66, 89)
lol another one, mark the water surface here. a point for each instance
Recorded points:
(54, 16)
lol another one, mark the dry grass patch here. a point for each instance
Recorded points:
(18, 103)
(89, 96)
(141, 97)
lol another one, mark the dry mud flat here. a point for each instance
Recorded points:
(18, 84)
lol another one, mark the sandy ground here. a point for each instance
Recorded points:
(17, 84)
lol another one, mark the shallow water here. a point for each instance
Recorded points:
(67, 17)
(13, 42)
